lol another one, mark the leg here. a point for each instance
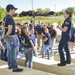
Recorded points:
(26, 61)
(9, 55)
(68, 56)
(44, 50)
(13, 57)
(52, 43)
(48, 52)
(30, 56)
(61, 52)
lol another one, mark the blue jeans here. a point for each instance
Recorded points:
(46, 48)
(29, 57)
(11, 47)
(52, 43)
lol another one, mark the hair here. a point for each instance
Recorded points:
(69, 13)
(1, 23)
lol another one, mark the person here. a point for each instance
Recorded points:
(39, 32)
(65, 37)
(72, 40)
(46, 44)
(53, 34)
(31, 25)
(9, 36)
(29, 46)
(1, 45)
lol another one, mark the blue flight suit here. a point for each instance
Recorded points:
(65, 37)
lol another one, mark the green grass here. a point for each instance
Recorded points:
(46, 20)
(43, 19)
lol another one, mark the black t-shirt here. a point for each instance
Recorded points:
(8, 20)
(68, 24)
(52, 32)
(46, 36)
(26, 41)
(39, 29)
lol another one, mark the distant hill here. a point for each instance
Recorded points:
(66, 8)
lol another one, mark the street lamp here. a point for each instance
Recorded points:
(32, 9)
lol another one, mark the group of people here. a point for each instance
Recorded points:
(31, 37)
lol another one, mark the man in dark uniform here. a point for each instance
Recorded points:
(39, 32)
(10, 38)
(65, 37)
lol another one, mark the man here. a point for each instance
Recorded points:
(39, 32)
(9, 36)
(31, 25)
(53, 34)
(45, 44)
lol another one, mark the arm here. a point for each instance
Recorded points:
(32, 44)
(63, 29)
(45, 39)
(1, 46)
(9, 31)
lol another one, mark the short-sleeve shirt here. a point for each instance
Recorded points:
(47, 36)
(52, 32)
(39, 29)
(33, 38)
(68, 24)
(8, 20)
(26, 40)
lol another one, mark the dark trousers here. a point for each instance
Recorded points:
(64, 45)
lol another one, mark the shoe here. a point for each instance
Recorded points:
(68, 62)
(18, 70)
(9, 68)
(48, 58)
(60, 64)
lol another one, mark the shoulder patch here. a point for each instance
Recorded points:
(66, 23)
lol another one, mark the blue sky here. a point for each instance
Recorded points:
(26, 4)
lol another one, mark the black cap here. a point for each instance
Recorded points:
(32, 20)
(10, 6)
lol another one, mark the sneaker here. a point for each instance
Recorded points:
(18, 70)
(60, 64)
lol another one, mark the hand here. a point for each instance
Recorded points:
(1, 47)
(58, 26)
(59, 23)
(3, 38)
(34, 48)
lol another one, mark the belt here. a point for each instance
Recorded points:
(11, 36)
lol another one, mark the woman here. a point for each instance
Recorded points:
(65, 37)
(29, 46)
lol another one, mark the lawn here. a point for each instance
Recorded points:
(43, 19)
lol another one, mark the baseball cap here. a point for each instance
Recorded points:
(10, 6)
(31, 20)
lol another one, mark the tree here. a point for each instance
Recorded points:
(56, 14)
(2, 13)
(61, 13)
(40, 10)
(47, 10)
(71, 9)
